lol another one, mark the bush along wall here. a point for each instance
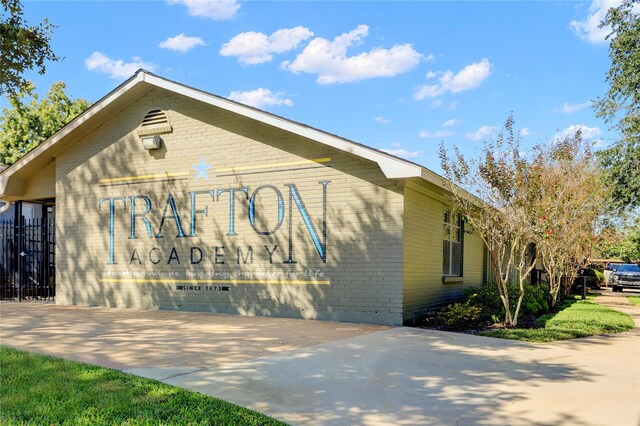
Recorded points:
(482, 304)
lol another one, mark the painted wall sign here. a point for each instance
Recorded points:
(141, 210)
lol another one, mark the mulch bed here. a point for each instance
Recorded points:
(430, 322)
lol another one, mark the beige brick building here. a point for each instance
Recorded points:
(230, 209)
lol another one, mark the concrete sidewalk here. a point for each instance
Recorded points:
(410, 376)
(357, 374)
(620, 302)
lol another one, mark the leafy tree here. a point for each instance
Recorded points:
(493, 193)
(621, 164)
(24, 125)
(622, 103)
(567, 204)
(24, 47)
(623, 244)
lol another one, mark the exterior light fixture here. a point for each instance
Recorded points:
(150, 142)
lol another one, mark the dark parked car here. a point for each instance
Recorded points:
(626, 276)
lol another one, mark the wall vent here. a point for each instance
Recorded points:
(155, 117)
(155, 122)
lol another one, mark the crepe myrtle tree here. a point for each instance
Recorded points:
(494, 195)
(569, 194)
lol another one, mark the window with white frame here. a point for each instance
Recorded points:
(452, 244)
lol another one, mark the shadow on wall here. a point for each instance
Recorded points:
(363, 242)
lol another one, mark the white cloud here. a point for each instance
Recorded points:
(452, 122)
(482, 133)
(524, 132)
(468, 78)
(181, 43)
(588, 29)
(253, 48)
(329, 59)
(218, 10)
(260, 98)
(437, 134)
(571, 108)
(382, 120)
(600, 143)
(588, 133)
(402, 153)
(116, 68)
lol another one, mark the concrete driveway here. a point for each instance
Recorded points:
(378, 375)
(128, 338)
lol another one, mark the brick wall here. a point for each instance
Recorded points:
(364, 246)
(423, 253)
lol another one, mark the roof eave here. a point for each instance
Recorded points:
(392, 167)
(8, 175)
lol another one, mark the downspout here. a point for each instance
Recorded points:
(4, 206)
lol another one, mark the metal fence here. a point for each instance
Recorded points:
(27, 259)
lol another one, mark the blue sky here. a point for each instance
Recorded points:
(397, 76)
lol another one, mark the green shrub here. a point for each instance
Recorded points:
(459, 316)
(536, 300)
(485, 297)
(593, 280)
(599, 276)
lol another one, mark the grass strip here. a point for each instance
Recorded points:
(42, 390)
(634, 300)
(578, 318)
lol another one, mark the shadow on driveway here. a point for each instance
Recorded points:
(410, 376)
(321, 373)
(127, 338)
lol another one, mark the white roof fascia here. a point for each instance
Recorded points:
(393, 168)
(432, 177)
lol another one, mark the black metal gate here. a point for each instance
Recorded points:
(27, 259)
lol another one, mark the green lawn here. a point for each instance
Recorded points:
(634, 299)
(42, 390)
(578, 318)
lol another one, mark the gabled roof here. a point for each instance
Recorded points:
(13, 178)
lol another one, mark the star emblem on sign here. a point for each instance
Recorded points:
(202, 169)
